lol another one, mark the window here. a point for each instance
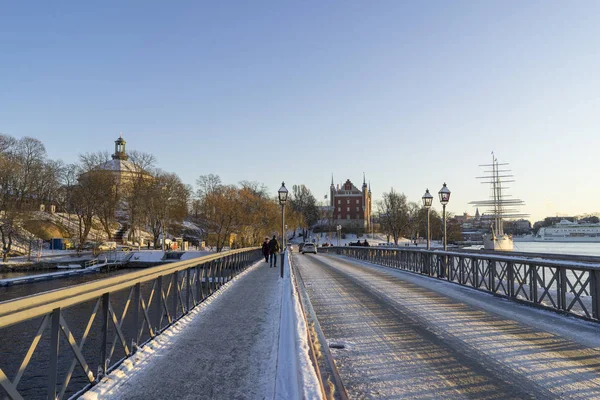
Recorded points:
(348, 209)
(356, 201)
(348, 201)
(357, 208)
(339, 202)
(339, 209)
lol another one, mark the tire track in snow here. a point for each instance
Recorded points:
(428, 359)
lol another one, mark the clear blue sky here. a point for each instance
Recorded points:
(414, 94)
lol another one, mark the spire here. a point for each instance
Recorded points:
(332, 179)
(364, 186)
(369, 186)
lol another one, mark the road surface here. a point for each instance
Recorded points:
(409, 336)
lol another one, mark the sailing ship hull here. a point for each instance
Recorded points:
(498, 243)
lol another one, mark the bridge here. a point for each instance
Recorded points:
(350, 322)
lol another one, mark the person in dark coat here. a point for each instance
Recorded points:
(265, 249)
(273, 250)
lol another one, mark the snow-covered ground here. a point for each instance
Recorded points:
(239, 343)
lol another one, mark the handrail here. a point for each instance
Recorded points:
(14, 311)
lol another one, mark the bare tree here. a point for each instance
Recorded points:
(26, 178)
(394, 215)
(304, 203)
(207, 184)
(107, 195)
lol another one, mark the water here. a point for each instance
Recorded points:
(583, 249)
(9, 275)
(16, 291)
(17, 338)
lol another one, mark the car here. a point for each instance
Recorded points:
(300, 246)
(309, 248)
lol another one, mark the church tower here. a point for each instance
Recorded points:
(332, 193)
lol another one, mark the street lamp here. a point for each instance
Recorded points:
(444, 194)
(427, 200)
(339, 233)
(283, 194)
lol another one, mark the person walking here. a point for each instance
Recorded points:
(265, 249)
(273, 250)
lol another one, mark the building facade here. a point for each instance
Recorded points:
(351, 207)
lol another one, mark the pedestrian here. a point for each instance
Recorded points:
(273, 250)
(265, 249)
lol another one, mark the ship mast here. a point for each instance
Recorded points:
(500, 204)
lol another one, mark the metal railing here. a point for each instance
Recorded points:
(112, 317)
(571, 287)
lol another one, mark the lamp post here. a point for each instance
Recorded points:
(283, 194)
(444, 194)
(339, 233)
(427, 200)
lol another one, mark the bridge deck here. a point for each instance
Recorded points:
(409, 336)
(226, 350)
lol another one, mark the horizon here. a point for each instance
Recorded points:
(413, 95)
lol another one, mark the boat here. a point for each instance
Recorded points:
(567, 231)
(499, 206)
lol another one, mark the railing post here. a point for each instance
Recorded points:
(510, 277)
(532, 283)
(188, 289)
(563, 288)
(492, 275)
(175, 296)
(595, 293)
(213, 276)
(137, 294)
(54, 348)
(199, 277)
(104, 349)
(159, 303)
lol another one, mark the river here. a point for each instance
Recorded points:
(583, 249)
(17, 338)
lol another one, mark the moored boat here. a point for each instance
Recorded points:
(567, 231)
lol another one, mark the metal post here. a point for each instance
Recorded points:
(159, 303)
(282, 235)
(54, 343)
(444, 214)
(428, 232)
(137, 294)
(105, 317)
(164, 245)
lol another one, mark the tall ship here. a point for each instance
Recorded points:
(499, 206)
(567, 231)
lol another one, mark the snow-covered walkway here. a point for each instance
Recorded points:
(245, 342)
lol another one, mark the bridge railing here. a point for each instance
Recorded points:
(80, 333)
(571, 287)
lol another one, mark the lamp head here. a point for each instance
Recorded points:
(444, 195)
(427, 199)
(283, 194)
